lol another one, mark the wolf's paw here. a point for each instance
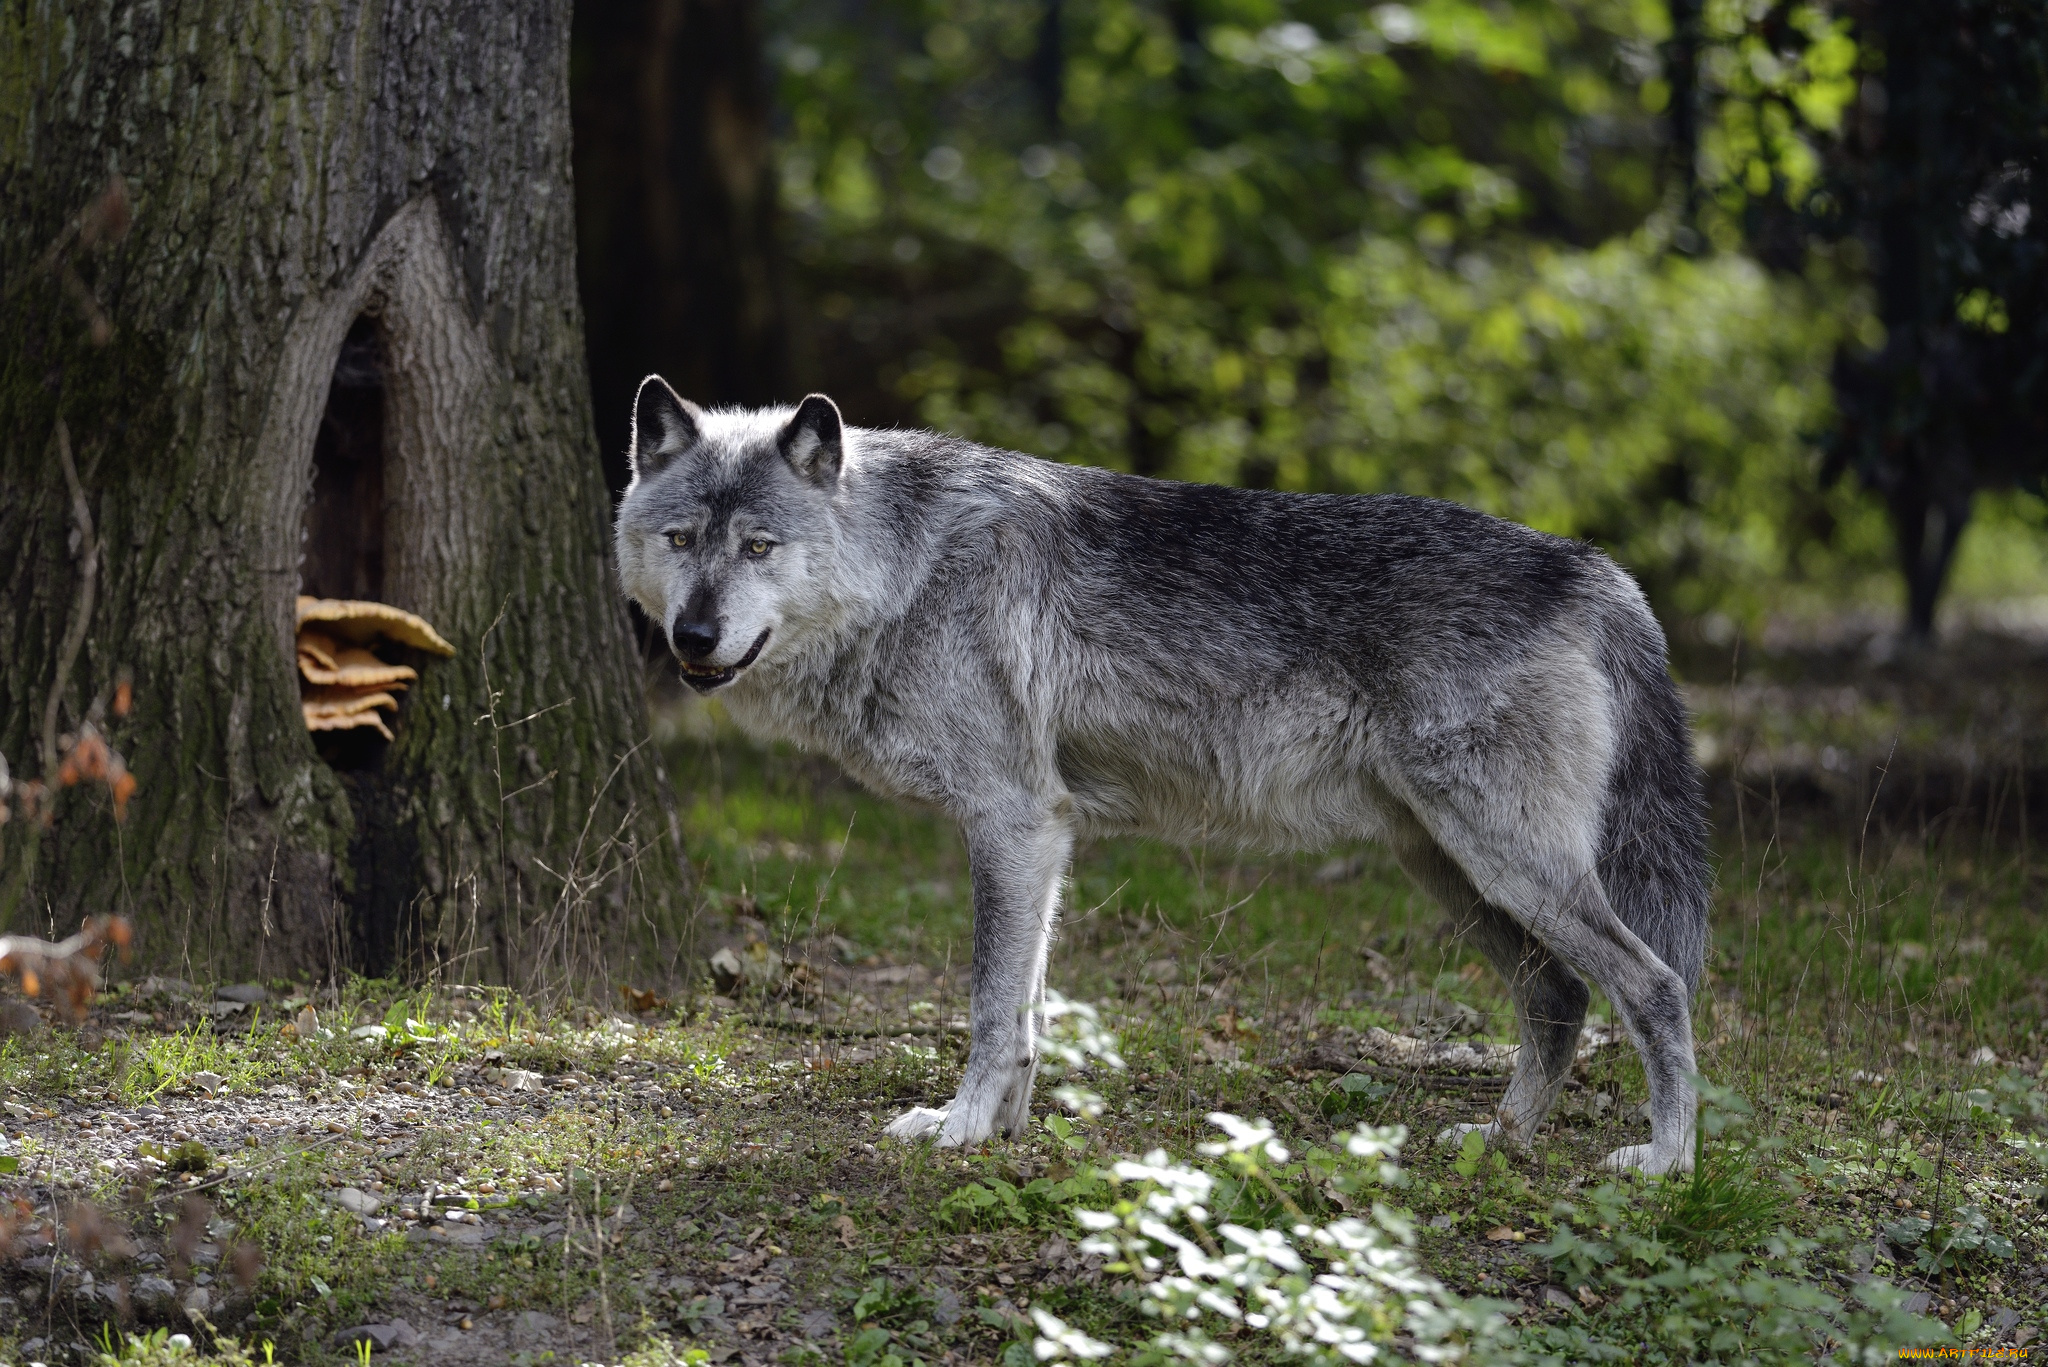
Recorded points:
(1648, 1159)
(963, 1129)
(919, 1122)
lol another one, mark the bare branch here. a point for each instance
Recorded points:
(81, 608)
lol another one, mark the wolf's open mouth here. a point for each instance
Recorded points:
(704, 678)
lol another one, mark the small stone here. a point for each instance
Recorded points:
(380, 1337)
(514, 1079)
(466, 1236)
(155, 1296)
(726, 970)
(757, 966)
(533, 1323)
(356, 1201)
(197, 1302)
(17, 1017)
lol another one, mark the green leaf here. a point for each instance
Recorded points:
(1471, 1153)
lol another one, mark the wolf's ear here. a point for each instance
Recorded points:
(664, 426)
(813, 440)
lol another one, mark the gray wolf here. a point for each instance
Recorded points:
(1050, 652)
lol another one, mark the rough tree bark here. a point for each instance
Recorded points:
(394, 176)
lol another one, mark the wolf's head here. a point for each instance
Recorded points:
(726, 529)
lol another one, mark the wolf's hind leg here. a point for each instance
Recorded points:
(1559, 900)
(1550, 1006)
(1550, 1000)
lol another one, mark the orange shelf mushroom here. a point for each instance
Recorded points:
(346, 684)
(360, 622)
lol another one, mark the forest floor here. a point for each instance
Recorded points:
(451, 1175)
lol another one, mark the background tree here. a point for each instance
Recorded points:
(675, 207)
(350, 267)
(1904, 143)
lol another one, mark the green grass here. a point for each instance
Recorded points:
(1847, 956)
(1852, 985)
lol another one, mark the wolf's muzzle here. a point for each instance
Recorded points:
(705, 678)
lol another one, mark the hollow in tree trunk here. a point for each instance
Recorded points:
(337, 351)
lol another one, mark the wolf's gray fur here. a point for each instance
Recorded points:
(1050, 652)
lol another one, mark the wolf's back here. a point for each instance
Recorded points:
(1653, 852)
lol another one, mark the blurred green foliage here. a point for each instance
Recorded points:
(1311, 245)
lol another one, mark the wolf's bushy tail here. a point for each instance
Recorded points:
(1653, 850)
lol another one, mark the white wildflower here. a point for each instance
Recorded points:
(1057, 1339)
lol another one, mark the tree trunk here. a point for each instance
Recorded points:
(675, 204)
(1929, 527)
(1681, 72)
(338, 351)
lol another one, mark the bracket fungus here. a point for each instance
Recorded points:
(346, 684)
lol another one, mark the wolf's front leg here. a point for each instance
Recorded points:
(1018, 860)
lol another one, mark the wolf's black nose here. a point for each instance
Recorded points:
(694, 640)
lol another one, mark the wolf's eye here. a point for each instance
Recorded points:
(680, 540)
(758, 546)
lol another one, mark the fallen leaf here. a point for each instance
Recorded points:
(1502, 1234)
(642, 1001)
(845, 1228)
